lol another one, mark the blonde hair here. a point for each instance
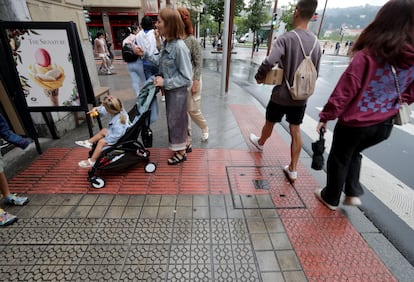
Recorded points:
(174, 25)
(114, 106)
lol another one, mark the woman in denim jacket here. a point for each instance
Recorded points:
(175, 76)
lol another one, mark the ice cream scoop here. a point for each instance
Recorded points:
(47, 75)
(42, 57)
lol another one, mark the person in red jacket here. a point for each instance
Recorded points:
(365, 99)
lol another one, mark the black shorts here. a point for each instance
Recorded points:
(294, 115)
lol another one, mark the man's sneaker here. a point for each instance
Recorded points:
(13, 199)
(319, 197)
(352, 201)
(6, 218)
(292, 175)
(255, 141)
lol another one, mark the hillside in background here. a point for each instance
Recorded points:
(351, 17)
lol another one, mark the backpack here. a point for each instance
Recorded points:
(128, 53)
(305, 76)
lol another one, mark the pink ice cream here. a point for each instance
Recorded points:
(47, 75)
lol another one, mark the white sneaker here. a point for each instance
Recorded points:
(108, 72)
(352, 201)
(319, 196)
(292, 175)
(204, 136)
(255, 141)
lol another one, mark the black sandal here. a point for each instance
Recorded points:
(177, 158)
(189, 148)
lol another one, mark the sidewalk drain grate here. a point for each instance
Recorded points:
(261, 184)
(261, 187)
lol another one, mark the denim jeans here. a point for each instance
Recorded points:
(10, 136)
(344, 161)
(136, 71)
(150, 69)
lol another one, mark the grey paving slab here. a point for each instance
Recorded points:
(132, 238)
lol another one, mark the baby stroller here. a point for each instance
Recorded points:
(129, 151)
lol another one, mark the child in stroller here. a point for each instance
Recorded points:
(128, 151)
(117, 127)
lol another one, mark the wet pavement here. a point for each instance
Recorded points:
(226, 214)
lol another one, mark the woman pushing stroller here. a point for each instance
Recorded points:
(117, 127)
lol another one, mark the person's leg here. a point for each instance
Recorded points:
(177, 123)
(103, 67)
(194, 111)
(98, 136)
(88, 143)
(105, 62)
(342, 154)
(294, 116)
(98, 150)
(189, 146)
(9, 198)
(374, 135)
(141, 74)
(267, 130)
(295, 146)
(274, 114)
(4, 185)
(95, 155)
(134, 77)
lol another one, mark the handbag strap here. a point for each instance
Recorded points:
(397, 83)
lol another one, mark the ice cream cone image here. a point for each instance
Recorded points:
(47, 75)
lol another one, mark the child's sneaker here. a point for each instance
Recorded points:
(6, 218)
(13, 199)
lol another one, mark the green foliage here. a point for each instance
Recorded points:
(257, 13)
(287, 15)
(242, 25)
(215, 8)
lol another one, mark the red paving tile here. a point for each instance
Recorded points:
(328, 246)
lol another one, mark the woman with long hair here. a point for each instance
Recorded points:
(194, 92)
(366, 98)
(175, 77)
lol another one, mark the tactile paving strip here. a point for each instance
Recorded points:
(279, 193)
(131, 249)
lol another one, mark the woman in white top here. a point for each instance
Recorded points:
(135, 69)
(147, 41)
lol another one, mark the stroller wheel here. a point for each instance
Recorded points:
(150, 167)
(97, 182)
